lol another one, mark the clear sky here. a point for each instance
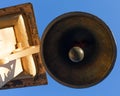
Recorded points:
(45, 11)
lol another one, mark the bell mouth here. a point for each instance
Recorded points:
(78, 49)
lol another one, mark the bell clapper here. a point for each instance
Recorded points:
(76, 54)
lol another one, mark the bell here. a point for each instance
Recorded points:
(78, 49)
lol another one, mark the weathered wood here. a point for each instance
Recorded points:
(21, 18)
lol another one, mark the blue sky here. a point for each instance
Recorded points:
(45, 11)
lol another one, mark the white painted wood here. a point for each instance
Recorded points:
(7, 41)
(7, 45)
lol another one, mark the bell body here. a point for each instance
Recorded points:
(78, 49)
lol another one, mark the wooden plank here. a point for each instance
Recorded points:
(22, 37)
(20, 53)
